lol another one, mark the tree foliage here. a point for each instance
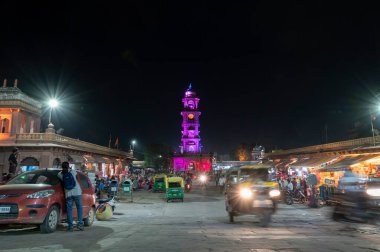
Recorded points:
(157, 156)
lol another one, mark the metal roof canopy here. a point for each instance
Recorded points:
(344, 164)
(313, 161)
(77, 158)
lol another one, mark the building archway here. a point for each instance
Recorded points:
(29, 164)
(56, 163)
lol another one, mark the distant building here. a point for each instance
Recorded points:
(191, 157)
(20, 126)
(258, 153)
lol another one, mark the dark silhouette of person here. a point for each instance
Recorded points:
(13, 162)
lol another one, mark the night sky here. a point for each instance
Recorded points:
(270, 73)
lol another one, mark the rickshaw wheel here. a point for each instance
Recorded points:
(231, 216)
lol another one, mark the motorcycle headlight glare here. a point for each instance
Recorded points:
(40, 194)
(246, 193)
(274, 193)
(203, 178)
(374, 192)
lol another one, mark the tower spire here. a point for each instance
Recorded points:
(189, 88)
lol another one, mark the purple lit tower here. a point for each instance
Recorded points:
(191, 157)
(190, 141)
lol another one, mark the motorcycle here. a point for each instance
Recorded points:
(299, 197)
(188, 187)
(288, 197)
(110, 201)
(203, 181)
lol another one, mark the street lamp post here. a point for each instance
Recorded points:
(132, 147)
(53, 103)
(373, 131)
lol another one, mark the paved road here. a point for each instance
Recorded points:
(199, 224)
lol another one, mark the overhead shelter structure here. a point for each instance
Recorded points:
(362, 165)
(310, 164)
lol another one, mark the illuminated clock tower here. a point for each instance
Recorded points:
(191, 158)
(190, 141)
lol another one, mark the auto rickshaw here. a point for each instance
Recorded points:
(251, 190)
(160, 183)
(175, 189)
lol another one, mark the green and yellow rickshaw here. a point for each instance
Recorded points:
(175, 189)
(160, 183)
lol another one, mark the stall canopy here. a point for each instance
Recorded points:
(98, 159)
(346, 162)
(108, 160)
(76, 158)
(89, 159)
(312, 161)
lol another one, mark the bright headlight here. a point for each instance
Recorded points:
(203, 178)
(373, 192)
(274, 193)
(246, 193)
(40, 194)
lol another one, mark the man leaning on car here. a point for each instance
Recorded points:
(74, 194)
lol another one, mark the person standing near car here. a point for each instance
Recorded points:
(73, 192)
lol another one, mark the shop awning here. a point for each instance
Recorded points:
(98, 159)
(76, 158)
(346, 162)
(312, 161)
(109, 160)
(89, 159)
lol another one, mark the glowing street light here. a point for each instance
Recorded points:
(133, 142)
(53, 103)
(373, 117)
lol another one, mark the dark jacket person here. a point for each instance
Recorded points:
(13, 162)
(74, 194)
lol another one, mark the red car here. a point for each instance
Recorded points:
(37, 197)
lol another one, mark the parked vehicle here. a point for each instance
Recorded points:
(160, 183)
(360, 203)
(251, 190)
(37, 197)
(175, 189)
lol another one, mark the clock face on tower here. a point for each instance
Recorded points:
(190, 116)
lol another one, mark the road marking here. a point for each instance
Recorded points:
(55, 248)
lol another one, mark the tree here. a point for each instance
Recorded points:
(158, 156)
(243, 152)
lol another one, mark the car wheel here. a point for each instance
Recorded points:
(231, 216)
(289, 200)
(265, 218)
(51, 220)
(91, 217)
(337, 215)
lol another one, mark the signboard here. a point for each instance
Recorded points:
(311, 180)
